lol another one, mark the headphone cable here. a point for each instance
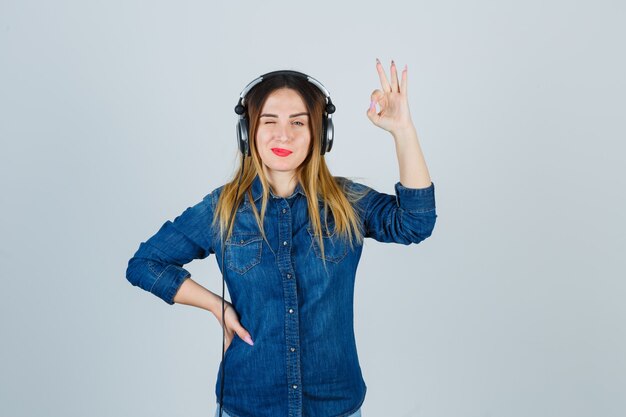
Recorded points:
(230, 220)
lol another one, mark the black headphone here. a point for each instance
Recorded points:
(243, 129)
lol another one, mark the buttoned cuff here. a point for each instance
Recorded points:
(416, 200)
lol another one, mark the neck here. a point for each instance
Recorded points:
(283, 183)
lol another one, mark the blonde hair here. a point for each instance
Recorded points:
(313, 174)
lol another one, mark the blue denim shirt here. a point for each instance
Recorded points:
(299, 312)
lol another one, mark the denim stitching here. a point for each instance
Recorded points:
(256, 240)
(337, 244)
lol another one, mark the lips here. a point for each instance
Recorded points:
(281, 152)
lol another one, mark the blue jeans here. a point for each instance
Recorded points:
(357, 413)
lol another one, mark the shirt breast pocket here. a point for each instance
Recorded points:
(243, 252)
(335, 248)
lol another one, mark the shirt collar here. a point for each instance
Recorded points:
(257, 189)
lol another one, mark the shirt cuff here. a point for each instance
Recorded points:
(416, 199)
(168, 283)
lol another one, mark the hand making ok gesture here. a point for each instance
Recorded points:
(394, 115)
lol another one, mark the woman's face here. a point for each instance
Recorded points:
(283, 134)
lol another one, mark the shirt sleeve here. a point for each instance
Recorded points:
(408, 217)
(157, 266)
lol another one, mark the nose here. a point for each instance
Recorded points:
(282, 132)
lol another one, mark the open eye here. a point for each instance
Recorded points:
(298, 123)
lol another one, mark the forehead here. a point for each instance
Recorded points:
(284, 99)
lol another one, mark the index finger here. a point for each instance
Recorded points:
(383, 78)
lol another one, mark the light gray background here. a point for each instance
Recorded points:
(115, 116)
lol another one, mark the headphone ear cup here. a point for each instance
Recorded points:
(324, 139)
(242, 136)
(328, 134)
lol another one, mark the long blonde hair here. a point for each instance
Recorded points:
(313, 174)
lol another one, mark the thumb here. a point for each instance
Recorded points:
(375, 98)
(372, 114)
(243, 334)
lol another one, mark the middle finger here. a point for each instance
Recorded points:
(394, 77)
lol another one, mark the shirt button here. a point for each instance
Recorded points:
(285, 243)
(291, 311)
(293, 349)
(288, 275)
(284, 211)
(294, 386)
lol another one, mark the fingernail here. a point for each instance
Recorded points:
(248, 340)
(372, 105)
(393, 63)
(406, 67)
(377, 61)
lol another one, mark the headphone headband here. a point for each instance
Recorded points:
(240, 107)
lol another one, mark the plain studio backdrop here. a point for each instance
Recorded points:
(116, 116)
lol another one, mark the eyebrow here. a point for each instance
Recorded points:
(291, 115)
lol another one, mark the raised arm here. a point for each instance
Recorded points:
(394, 116)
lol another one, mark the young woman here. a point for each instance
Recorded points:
(288, 238)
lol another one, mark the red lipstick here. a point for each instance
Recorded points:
(281, 152)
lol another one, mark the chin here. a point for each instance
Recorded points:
(281, 168)
(282, 164)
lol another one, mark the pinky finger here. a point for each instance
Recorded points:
(404, 82)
